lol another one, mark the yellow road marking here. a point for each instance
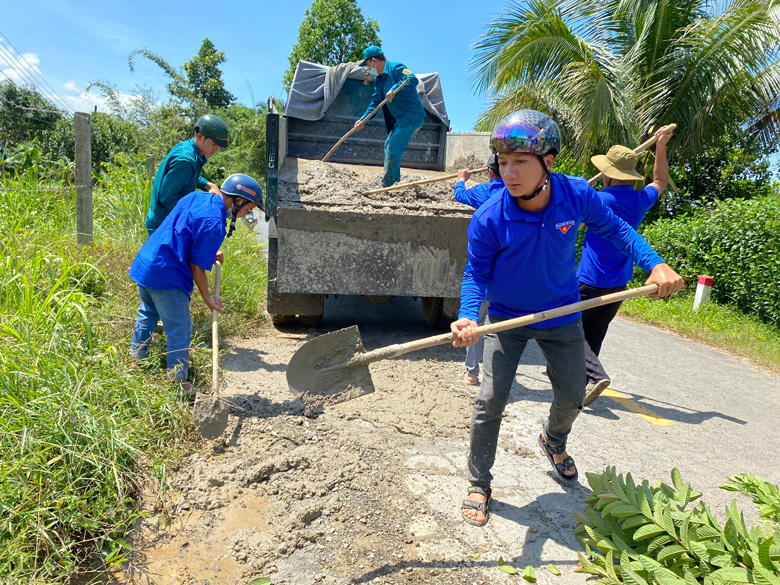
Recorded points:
(629, 404)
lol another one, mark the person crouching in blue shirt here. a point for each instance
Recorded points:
(522, 260)
(404, 112)
(475, 197)
(180, 251)
(604, 269)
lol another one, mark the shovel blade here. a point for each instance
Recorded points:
(308, 380)
(210, 416)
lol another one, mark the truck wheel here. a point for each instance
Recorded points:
(282, 320)
(311, 320)
(432, 311)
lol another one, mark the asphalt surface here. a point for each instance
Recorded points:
(672, 403)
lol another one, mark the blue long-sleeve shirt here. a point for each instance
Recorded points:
(178, 175)
(523, 261)
(602, 265)
(191, 234)
(478, 194)
(406, 107)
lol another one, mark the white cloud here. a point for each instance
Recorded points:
(71, 85)
(20, 69)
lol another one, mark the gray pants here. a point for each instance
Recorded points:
(474, 352)
(563, 348)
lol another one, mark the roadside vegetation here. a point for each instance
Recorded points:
(80, 431)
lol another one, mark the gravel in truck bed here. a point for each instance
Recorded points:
(306, 184)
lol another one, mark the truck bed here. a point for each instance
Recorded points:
(313, 185)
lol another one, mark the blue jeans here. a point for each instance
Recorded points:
(173, 308)
(474, 352)
(395, 146)
(564, 349)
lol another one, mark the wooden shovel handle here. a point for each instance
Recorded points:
(639, 149)
(402, 348)
(421, 182)
(215, 332)
(366, 119)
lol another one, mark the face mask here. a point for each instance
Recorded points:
(230, 213)
(374, 71)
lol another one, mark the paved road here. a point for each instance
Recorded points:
(672, 403)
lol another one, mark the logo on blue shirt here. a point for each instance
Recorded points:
(564, 226)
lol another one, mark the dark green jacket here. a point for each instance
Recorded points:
(178, 175)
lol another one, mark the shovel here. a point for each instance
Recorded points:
(333, 367)
(210, 414)
(366, 119)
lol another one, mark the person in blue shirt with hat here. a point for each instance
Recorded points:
(404, 112)
(475, 197)
(178, 253)
(603, 268)
(522, 260)
(179, 173)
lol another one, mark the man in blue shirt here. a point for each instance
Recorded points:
(404, 112)
(603, 268)
(179, 173)
(522, 260)
(180, 251)
(475, 197)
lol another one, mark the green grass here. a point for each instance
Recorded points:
(79, 430)
(720, 326)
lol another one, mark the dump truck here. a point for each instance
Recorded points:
(325, 236)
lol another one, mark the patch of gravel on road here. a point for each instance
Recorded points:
(364, 491)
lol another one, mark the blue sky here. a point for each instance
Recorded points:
(74, 42)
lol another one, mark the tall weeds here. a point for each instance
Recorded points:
(79, 430)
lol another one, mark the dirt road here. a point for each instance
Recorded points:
(368, 491)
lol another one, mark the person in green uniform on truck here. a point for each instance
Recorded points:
(179, 173)
(404, 112)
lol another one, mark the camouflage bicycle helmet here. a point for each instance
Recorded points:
(531, 132)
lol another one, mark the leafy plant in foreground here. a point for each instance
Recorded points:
(645, 535)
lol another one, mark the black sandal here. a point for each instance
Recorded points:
(563, 465)
(479, 506)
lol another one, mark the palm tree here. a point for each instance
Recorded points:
(612, 71)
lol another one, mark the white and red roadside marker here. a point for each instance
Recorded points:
(703, 289)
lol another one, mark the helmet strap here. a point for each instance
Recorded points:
(541, 187)
(236, 209)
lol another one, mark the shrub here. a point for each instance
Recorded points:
(645, 534)
(737, 242)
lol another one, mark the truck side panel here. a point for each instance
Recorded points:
(332, 252)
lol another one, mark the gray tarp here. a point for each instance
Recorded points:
(315, 86)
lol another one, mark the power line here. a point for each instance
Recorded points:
(21, 107)
(36, 73)
(23, 74)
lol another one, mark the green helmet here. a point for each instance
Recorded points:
(213, 127)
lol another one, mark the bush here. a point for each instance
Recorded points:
(645, 534)
(736, 242)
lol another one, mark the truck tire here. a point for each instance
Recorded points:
(311, 320)
(282, 320)
(432, 311)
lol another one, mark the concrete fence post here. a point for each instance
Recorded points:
(150, 167)
(703, 289)
(83, 147)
